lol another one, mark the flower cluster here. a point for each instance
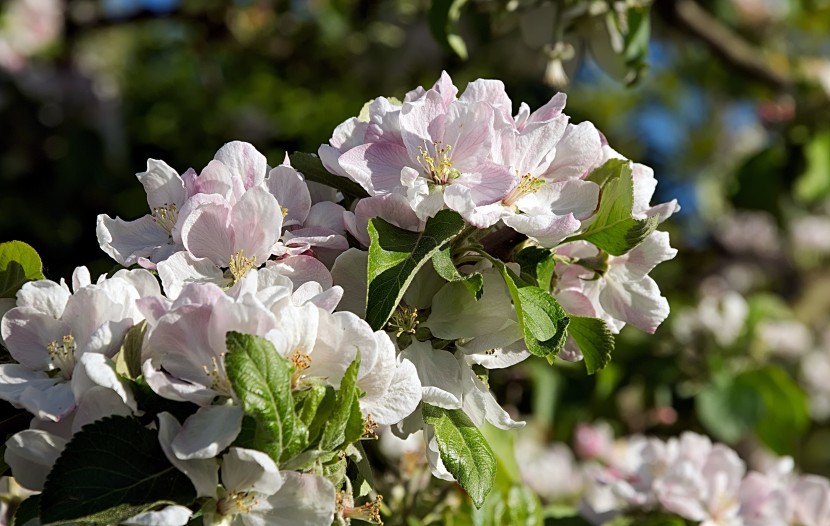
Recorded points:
(687, 476)
(253, 338)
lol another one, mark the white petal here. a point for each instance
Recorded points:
(291, 192)
(205, 232)
(207, 432)
(439, 374)
(182, 268)
(245, 470)
(46, 296)
(303, 500)
(203, 473)
(27, 332)
(479, 403)
(400, 399)
(256, 222)
(31, 454)
(126, 241)
(169, 516)
(97, 403)
(638, 303)
(244, 162)
(162, 183)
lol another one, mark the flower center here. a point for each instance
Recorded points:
(301, 361)
(166, 216)
(237, 503)
(528, 184)
(62, 354)
(284, 211)
(438, 168)
(240, 265)
(217, 378)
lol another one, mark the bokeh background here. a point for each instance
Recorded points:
(726, 99)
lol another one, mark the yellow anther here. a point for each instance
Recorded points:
(62, 355)
(404, 319)
(369, 428)
(239, 265)
(438, 168)
(284, 211)
(528, 184)
(166, 216)
(369, 512)
(216, 375)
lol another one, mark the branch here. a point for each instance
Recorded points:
(723, 42)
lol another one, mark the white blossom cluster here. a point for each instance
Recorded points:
(257, 250)
(687, 476)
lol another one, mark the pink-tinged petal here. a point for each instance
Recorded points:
(199, 294)
(654, 250)
(536, 147)
(393, 208)
(551, 110)
(248, 470)
(175, 389)
(468, 129)
(301, 269)
(577, 152)
(204, 474)
(205, 229)
(215, 178)
(330, 157)
(575, 302)
(459, 198)
(811, 500)
(291, 192)
(304, 239)
(244, 162)
(348, 134)
(663, 211)
(489, 91)
(499, 357)
(181, 269)
(571, 351)
(445, 88)
(108, 307)
(638, 303)
(547, 230)
(303, 500)
(572, 196)
(162, 183)
(422, 123)
(27, 332)
(126, 241)
(31, 454)
(97, 403)
(488, 183)
(326, 215)
(376, 166)
(44, 296)
(349, 272)
(207, 432)
(256, 222)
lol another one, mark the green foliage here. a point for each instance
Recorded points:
(614, 229)
(463, 450)
(814, 184)
(396, 255)
(765, 401)
(128, 361)
(345, 425)
(261, 379)
(538, 263)
(443, 264)
(19, 263)
(541, 319)
(443, 22)
(111, 470)
(594, 340)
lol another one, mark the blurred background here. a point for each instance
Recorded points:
(726, 99)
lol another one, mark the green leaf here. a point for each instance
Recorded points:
(345, 423)
(594, 340)
(313, 170)
(19, 263)
(539, 263)
(463, 450)
(443, 22)
(444, 266)
(523, 507)
(128, 361)
(261, 379)
(729, 409)
(111, 470)
(27, 510)
(614, 230)
(542, 320)
(814, 183)
(396, 255)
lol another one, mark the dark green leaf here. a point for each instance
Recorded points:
(594, 340)
(19, 263)
(463, 450)
(27, 510)
(261, 379)
(443, 22)
(111, 470)
(396, 255)
(539, 263)
(313, 170)
(444, 266)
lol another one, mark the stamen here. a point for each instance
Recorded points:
(301, 361)
(369, 512)
(369, 428)
(528, 184)
(216, 374)
(237, 503)
(62, 355)
(438, 168)
(284, 210)
(404, 320)
(166, 216)
(240, 265)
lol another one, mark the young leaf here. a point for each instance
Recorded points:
(128, 361)
(111, 470)
(444, 266)
(345, 424)
(541, 319)
(313, 170)
(396, 255)
(463, 450)
(614, 229)
(261, 378)
(19, 263)
(594, 340)
(539, 263)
